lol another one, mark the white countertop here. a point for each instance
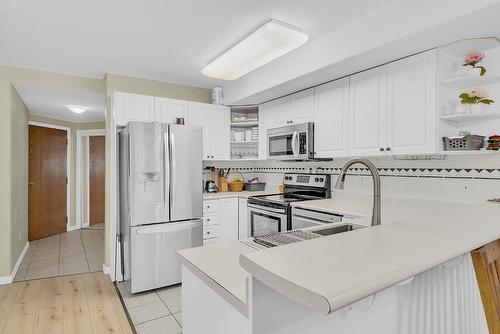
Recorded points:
(241, 194)
(218, 266)
(332, 272)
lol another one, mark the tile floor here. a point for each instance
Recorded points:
(153, 312)
(69, 253)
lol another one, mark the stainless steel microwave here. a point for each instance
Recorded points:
(291, 142)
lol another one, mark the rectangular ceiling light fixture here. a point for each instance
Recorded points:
(272, 40)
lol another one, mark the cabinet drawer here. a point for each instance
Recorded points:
(210, 219)
(210, 232)
(210, 206)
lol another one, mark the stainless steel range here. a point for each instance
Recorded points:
(272, 213)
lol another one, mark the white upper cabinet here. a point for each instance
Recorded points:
(367, 105)
(168, 110)
(331, 119)
(411, 105)
(215, 121)
(301, 107)
(133, 107)
(293, 109)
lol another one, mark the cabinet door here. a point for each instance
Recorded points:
(220, 129)
(228, 219)
(279, 113)
(411, 105)
(331, 111)
(133, 107)
(243, 219)
(215, 121)
(301, 107)
(168, 110)
(367, 102)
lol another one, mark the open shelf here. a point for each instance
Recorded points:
(245, 142)
(468, 152)
(245, 124)
(470, 81)
(469, 117)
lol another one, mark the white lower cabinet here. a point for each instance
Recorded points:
(221, 220)
(243, 232)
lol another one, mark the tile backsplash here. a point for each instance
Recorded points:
(457, 178)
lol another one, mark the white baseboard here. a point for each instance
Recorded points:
(71, 228)
(106, 269)
(9, 279)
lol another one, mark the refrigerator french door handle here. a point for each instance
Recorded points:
(166, 173)
(173, 167)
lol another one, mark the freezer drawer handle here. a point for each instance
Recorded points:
(156, 229)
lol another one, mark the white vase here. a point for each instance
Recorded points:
(476, 108)
(463, 109)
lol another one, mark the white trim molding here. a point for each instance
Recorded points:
(68, 165)
(9, 279)
(79, 171)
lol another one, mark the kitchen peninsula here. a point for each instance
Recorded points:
(418, 255)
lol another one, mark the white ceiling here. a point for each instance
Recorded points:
(54, 103)
(165, 40)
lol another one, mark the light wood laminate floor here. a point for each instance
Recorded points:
(85, 303)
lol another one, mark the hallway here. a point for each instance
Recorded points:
(74, 252)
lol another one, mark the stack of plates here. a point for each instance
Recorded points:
(255, 133)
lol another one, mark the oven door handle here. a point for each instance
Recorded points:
(263, 209)
(294, 143)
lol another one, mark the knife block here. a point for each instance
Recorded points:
(222, 184)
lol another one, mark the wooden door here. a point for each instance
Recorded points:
(411, 104)
(486, 262)
(47, 201)
(96, 179)
(331, 123)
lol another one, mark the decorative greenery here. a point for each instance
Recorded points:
(472, 59)
(474, 98)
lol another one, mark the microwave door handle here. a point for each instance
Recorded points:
(294, 144)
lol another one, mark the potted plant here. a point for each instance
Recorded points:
(474, 101)
(472, 60)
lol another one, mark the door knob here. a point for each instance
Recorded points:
(382, 149)
(31, 183)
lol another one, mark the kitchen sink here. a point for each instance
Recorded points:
(336, 229)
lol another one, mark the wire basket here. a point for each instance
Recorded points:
(465, 143)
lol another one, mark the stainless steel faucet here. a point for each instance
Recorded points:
(376, 184)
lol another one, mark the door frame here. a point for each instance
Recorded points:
(79, 173)
(68, 165)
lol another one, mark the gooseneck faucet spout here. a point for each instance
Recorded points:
(376, 184)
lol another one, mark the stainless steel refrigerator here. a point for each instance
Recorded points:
(160, 186)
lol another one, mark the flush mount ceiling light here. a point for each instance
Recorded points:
(272, 40)
(77, 110)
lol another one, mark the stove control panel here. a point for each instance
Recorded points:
(309, 180)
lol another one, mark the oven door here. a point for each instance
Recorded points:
(265, 220)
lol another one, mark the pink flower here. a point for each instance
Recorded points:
(474, 58)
